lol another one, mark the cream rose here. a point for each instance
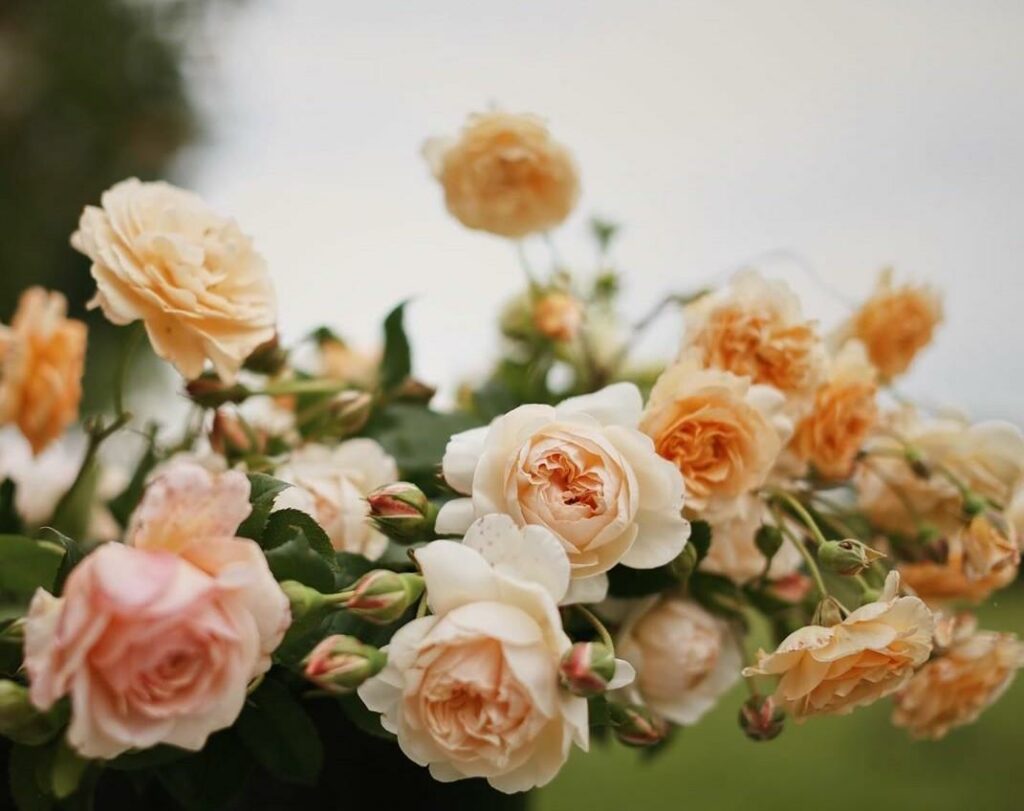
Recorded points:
(157, 642)
(721, 432)
(755, 328)
(954, 688)
(582, 471)
(685, 658)
(949, 580)
(473, 690)
(870, 654)
(42, 356)
(733, 552)
(160, 255)
(331, 485)
(505, 174)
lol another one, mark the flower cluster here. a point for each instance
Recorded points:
(580, 543)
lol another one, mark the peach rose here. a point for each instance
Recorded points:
(473, 690)
(990, 544)
(733, 552)
(157, 642)
(331, 485)
(844, 413)
(159, 254)
(895, 323)
(505, 174)
(954, 688)
(42, 356)
(685, 658)
(941, 582)
(870, 654)
(558, 315)
(723, 433)
(582, 471)
(755, 328)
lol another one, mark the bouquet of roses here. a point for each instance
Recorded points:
(580, 546)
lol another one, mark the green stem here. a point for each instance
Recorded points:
(802, 513)
(598, 626)
(316, 386)
(812, 564)
(135, 332)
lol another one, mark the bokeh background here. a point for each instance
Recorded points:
(819, 140)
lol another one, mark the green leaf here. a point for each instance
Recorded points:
(25, 565)
(396, 363)
(210, 779)
(718, 595)
(626, 582)
(10, 521)
(28, 767)
(152, 758)
(363, 718)
(295, 559)
(263, 491)
(72, 515)
(282, 526)
(351, 567)
(700, 537)
(280, 735)
(125, 502)
(74, 554)
(67, 771)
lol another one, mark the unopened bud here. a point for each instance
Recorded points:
(382, 596)
(415, 391)
(21, 721)
(768, 540)
(402, 512)
(347, 413)
(917, 464)
(684, 564)
(558, 315)
(339, 664)
(974, 504)
(760, 718)
(828, 613)
(231, 437)
(269, 358)
(847, 557)
(210, 391)
(635, 725)
(587, 669)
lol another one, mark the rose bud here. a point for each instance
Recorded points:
(760, 719)
(847, 557)
(347, 413)
(269, 358)
(558, 315)
(402, 512)
(209, 391)
(231, 437)
(21, 721)
(828, 613)
(635, 725)
(382, 596)
(768, 540)
(339, 664)
(684, 564)
(586, 669)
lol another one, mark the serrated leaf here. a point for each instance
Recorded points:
(282, 525)
(263, 490)
(295, 559)
(25, 565)
(626, 582)
(280, 735)
(396, 362)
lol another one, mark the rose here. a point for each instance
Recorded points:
(843, 415)
(331, 485)
(159, 254)
(558, 315)
(733, 551)
(942, 581)
(473, 690)
(954, 688)
(894, 324)
(755, 328)
(685, 658)
(582, 471)
(157, 642)
(870, 654)
(723, 433)
(42, 355)
(505, 174)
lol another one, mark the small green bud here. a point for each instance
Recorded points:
(684, 564)
(635, 725)
(21, 721)
(847, 557)
(339, 664)
(382, 596)
(768, 540)
(402, 512)
(974, 504)
(587, 669)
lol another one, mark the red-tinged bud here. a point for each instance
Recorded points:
(635, 725)
(760, 718)
(210, 391)
(339, 664)
(269, 358)
(402, 512)
(382, 596)
(587, 668)
(231, 437)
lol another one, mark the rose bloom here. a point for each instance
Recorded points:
(582, 471)
(895, 323)
(331, 485)
(42, 356)
(733, 552)
(755, 328)
(505, 174)
(990, 544)
(685, 658)
(870, 654)
(160, 255)
(844, 413)
(558, 315)
(157, 642)
(938, 583)
(723, 433)
(954, 688)
(473, 690)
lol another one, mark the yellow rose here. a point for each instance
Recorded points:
(954, 688)
(42, 355)
(755, 328)
(895, 324)
(505, 174)
(870, 654)
(159, 254)
(844, 413)
(723, 433)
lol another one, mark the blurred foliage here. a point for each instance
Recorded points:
(91, 91)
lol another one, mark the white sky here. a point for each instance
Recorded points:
(854, 133)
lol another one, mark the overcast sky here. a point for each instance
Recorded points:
(854, 134)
